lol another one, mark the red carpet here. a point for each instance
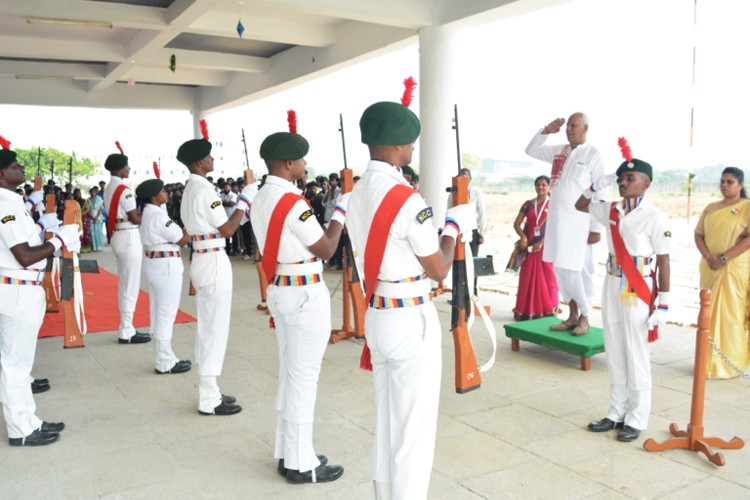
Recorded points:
(102, 312)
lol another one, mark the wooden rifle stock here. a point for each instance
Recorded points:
(49, 290)
(72, 331)
(262, 278)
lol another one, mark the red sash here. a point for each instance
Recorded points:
(557, 164)
(112, 213)
(625, 260)
(375, 247)
(275, 226)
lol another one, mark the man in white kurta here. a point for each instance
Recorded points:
(570, 233)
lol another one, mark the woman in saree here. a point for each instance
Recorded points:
(722, 239)
(95, 206)
(537, 288)
(85, 221)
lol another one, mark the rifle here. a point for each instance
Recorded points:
(72, 304)
(38, 178)
(467, 369)
(52, 267)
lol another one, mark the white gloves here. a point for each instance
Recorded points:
(67, 235)
(247, 195)
(36, 201)
(459, 219)
(48, 222)
(339, 212)
(659, 316)
(601, 183)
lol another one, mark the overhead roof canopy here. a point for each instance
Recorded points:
(119, 53)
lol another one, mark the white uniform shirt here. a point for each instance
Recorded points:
(127, 202)
(232, 197)
(16, 226)
(158, 231)
(412, 233)
(301, 228)
(645, 230)
(565, 224)
(201, 211)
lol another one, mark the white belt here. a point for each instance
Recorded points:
(124, 225)
(215, 243)
(299, 269)
(401, 290)
(23, 274)
(166, 247)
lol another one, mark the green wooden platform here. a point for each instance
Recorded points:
(537, 331)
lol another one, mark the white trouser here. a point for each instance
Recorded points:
(21, 317)
(407, 363)
(302, 315)
(211, 274)
(164, 277)
(126, 245)
(627, 350)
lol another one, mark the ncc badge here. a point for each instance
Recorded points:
(128, 196)
(215, 204)
(305, 215)
(8, 218)
(668, 234)
(424, 215)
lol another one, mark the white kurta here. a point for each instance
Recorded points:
(645, 234)
(404, 342)
(21, 316)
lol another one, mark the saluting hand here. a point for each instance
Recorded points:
(554, 126)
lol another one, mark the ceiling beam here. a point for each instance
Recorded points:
(40, 48)
(209, 60)
(120, 15)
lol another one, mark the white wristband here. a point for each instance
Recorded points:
(663, 298)
(56, 241)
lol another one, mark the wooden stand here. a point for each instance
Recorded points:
(693, 439)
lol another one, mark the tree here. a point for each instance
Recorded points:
(41, 160)
(472, 162)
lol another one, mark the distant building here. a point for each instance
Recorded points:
(501, 169)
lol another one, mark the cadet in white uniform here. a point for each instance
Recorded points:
(163, 268)
(645, 233)
(210, 271)
(570, 234)
(23, 258)
(299, 302)
(401, 325)
(126, 245)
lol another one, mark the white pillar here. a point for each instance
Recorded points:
(437, 95)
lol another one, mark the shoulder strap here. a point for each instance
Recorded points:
(275, 226)
(112, 213)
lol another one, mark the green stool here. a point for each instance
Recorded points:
(537, 331)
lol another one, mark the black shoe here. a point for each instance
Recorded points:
(283, 470)
(181, 366)
(323, 474)
(38, 387)
(55, 427)
(41, 381)
(36, 438)
(628, 434)
(223, 409)
(228, 400)
(604, 425)
(138, 338)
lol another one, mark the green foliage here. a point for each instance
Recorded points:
(40, 160)
(472, 162)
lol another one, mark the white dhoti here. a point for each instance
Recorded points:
(578, 285)
(164, 278)
(126, 245)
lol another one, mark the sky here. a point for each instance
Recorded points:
(627, 63)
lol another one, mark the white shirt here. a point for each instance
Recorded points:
(645, 230)
(127, 201)
(16, 226)
(158, 231)
(231, 197)
(201, 211)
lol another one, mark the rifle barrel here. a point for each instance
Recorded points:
(343, 140)
(458, 143)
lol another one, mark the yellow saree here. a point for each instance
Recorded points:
(721, 228)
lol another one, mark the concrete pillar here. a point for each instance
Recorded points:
(437, 95)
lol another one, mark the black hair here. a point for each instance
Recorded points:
(542, 177)
(738, 174)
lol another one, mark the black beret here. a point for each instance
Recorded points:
(115, 161)
(7, 157)
(284, 146)
(636, 165)
(148, 189)
(389, 123)
(193, 150)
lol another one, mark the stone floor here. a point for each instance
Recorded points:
(133, 434)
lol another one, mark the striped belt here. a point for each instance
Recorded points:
(209, 250)
(162, 254)
(300, 280)
(641, 263)
(124, 219)
(204, 237)
(13, 281)
(380, 302)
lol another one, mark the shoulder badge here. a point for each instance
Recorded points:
(8, 218)
(668, 234)
(424, 215)
(305, 215)
(169, 223)
(215, 204)
(128, 196)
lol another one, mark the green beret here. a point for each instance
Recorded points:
(148, 189)
(7, 157)
(389, 123)
(115, 161)
(636, 165)
(193, 150)
(284, 146)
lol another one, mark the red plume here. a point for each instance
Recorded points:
(157, 172)
(5, 143)
(204, 129)
(291, 117)
(623, 143)
(117, 143)
(409, 85)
